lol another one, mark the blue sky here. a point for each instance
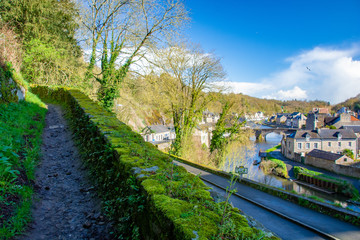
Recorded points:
(268, 46)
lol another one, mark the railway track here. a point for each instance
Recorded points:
(289, 218)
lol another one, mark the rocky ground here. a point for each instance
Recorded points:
(65, 203)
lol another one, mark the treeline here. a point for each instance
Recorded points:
(249, 105)
(352, 104)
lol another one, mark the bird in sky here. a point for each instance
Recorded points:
(308, 68)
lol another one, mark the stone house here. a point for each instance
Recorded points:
(158, 133)
(209, 117)
(295, 120)
(320, 111)
(296, 145)
(356, 130)
(326, 160)
(315, 120)
(299, 121)
(344, 119)
(281, 118)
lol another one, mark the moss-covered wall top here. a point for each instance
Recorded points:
(144, 192)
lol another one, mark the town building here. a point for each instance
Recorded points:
(344, 119)
(258, 116)
(320, 111)
(209, 117)
(326, 160)
(158, 133)
(296, 120)
(281, 118)
(296, 145)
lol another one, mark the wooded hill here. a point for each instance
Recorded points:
(352, 103)
(144, 103)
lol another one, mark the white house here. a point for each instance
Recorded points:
(158, 133)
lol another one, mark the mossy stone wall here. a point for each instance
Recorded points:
(145, 194)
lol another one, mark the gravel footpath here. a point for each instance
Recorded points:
(65, 203)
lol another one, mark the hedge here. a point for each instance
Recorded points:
(144, 193)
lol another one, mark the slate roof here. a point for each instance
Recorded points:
(330, 120)
(324, 155)
(324, 134)
(356, 129)
(333, 133)
(302, 134)
(157, 129)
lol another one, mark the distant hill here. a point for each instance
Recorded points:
(248, 104)
(143, 104)
(352, 103)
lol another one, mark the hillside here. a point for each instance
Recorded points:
(142, 102)
(352, 103)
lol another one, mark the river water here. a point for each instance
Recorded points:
(245, 156)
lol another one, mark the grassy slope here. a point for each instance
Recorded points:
(21, 125)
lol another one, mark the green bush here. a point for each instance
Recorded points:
(276, 167)
(348, 153)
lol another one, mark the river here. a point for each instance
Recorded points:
(245, 156)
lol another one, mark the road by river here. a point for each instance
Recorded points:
(245, 156)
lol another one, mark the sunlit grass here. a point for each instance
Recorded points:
(21, 125)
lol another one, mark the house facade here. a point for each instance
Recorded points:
(281, 118)
(158, 133)
(209, 117)
(344, 119)
(326, 160)
(298, 144)
(296, 120)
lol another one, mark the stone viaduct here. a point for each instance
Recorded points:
(260, 134)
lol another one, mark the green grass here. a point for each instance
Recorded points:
(280, 167)
(273, 148)
(345, 187)
(21, 125)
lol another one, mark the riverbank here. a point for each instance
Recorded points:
(334, 211)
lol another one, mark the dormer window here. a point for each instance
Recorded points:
(307, 137)
(339, 136)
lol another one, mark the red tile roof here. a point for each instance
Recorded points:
(354, 118)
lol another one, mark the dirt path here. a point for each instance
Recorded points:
(65, 205)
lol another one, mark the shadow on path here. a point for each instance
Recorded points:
(65, 205)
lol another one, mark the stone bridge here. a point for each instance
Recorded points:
(260, 134)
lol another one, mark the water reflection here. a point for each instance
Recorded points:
(245, 156)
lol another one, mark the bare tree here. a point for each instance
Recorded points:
(125, 29)
(187, 73)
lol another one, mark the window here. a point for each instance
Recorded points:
(345, 159)
(339, 144)
(299, 145)
(307, 145)
(315, 145)
(329, 144)
(349, 144)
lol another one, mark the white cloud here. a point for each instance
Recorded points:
(328, 74)
(247, 88)
(295, 93)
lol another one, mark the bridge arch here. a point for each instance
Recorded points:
(260, 134)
